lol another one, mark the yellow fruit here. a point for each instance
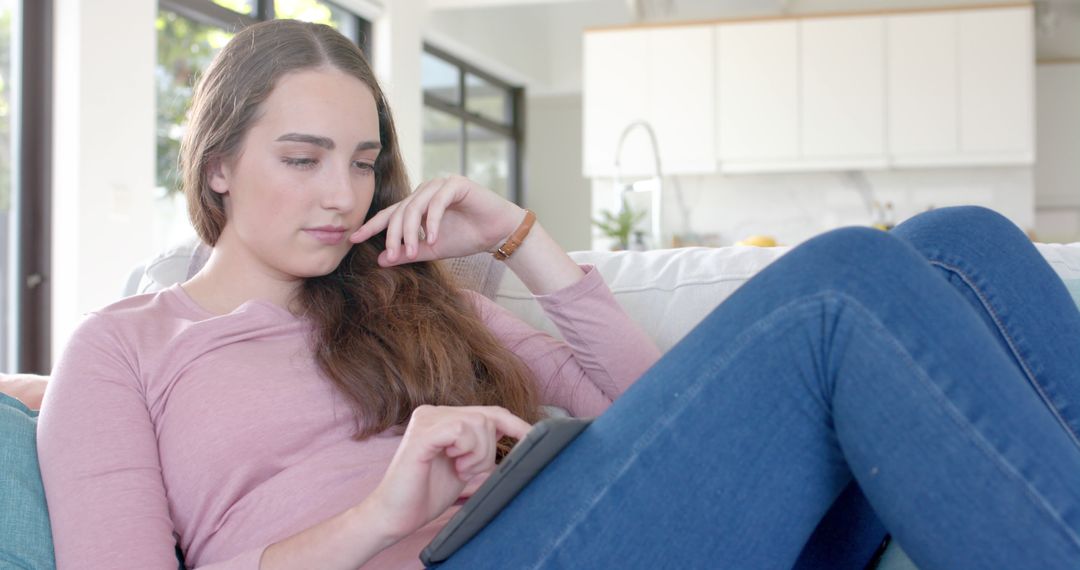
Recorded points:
(758, 241)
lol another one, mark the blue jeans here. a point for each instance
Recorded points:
(948, 390)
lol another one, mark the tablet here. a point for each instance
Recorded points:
(546, 439)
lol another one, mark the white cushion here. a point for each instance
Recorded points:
(667, 292)
(1065, 259)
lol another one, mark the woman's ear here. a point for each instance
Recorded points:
(218, 175)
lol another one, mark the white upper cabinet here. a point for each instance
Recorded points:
(997, 84)
(922, 92)
(661, 76)
(937, 88)
(682, 100)
(615, 93)
(757, 86)
(961, 88)
(843, 91)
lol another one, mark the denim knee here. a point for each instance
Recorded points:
(855, 246)
(946, 226)
(853, 258)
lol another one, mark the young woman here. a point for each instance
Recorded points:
(319, 395)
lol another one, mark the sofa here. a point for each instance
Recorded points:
(666, 291)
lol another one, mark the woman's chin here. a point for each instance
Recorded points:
(317, 268)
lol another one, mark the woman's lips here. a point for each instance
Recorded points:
(327, 236)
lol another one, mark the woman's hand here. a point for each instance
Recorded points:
(458, 216)
(444, 447)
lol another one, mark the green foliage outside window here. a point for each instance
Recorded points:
(308, 11)
(185, 49)
(241, 6)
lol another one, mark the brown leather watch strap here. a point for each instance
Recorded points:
(507, 249)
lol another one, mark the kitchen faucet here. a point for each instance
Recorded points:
(623, 189)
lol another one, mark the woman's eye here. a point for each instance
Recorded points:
(300, 162)
(366, 167)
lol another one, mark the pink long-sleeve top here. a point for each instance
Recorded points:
(166, 424)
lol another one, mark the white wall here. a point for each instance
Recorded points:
(497, 39)
(1057, 172)
(554, 186)
(541, 43)
(397, 33)
(103, 154)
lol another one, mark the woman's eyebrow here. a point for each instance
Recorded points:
(325, 142)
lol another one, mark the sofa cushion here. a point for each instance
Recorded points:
(667, 292)
(1065, 259)
(24, 516)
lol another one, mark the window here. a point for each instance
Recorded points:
(7, 175)
(323, 13)
(190, 33)
(242, 6)
(185, 48)
(472, 124)
(25, 191)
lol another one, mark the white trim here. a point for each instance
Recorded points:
(368, 9)
(803, 165)
(458, 4)
(556, 91)
(477, 59)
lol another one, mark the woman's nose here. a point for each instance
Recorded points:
(338, 191)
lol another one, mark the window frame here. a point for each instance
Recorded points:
(514, 131)
(212, 14)
(29, 348)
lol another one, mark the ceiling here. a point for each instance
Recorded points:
(1057, 22)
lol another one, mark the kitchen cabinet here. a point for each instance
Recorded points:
(961, 88)
(682, 98)
(757, 95)
(842, 74)
(923, 88)
(662, 76)
(615, 92)
(997, 85)
(845, 92)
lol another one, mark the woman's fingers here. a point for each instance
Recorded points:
(506, 423)
(470, 449)
(424, 252)
(403, 227)
(469, 434)
(414, 225)
(436, 210)
(414, 213)
(376, 224)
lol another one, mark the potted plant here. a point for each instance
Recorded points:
(619, 226)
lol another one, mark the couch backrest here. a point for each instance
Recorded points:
(667, 292)
(1065, 259)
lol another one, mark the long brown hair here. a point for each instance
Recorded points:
(392, 338)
